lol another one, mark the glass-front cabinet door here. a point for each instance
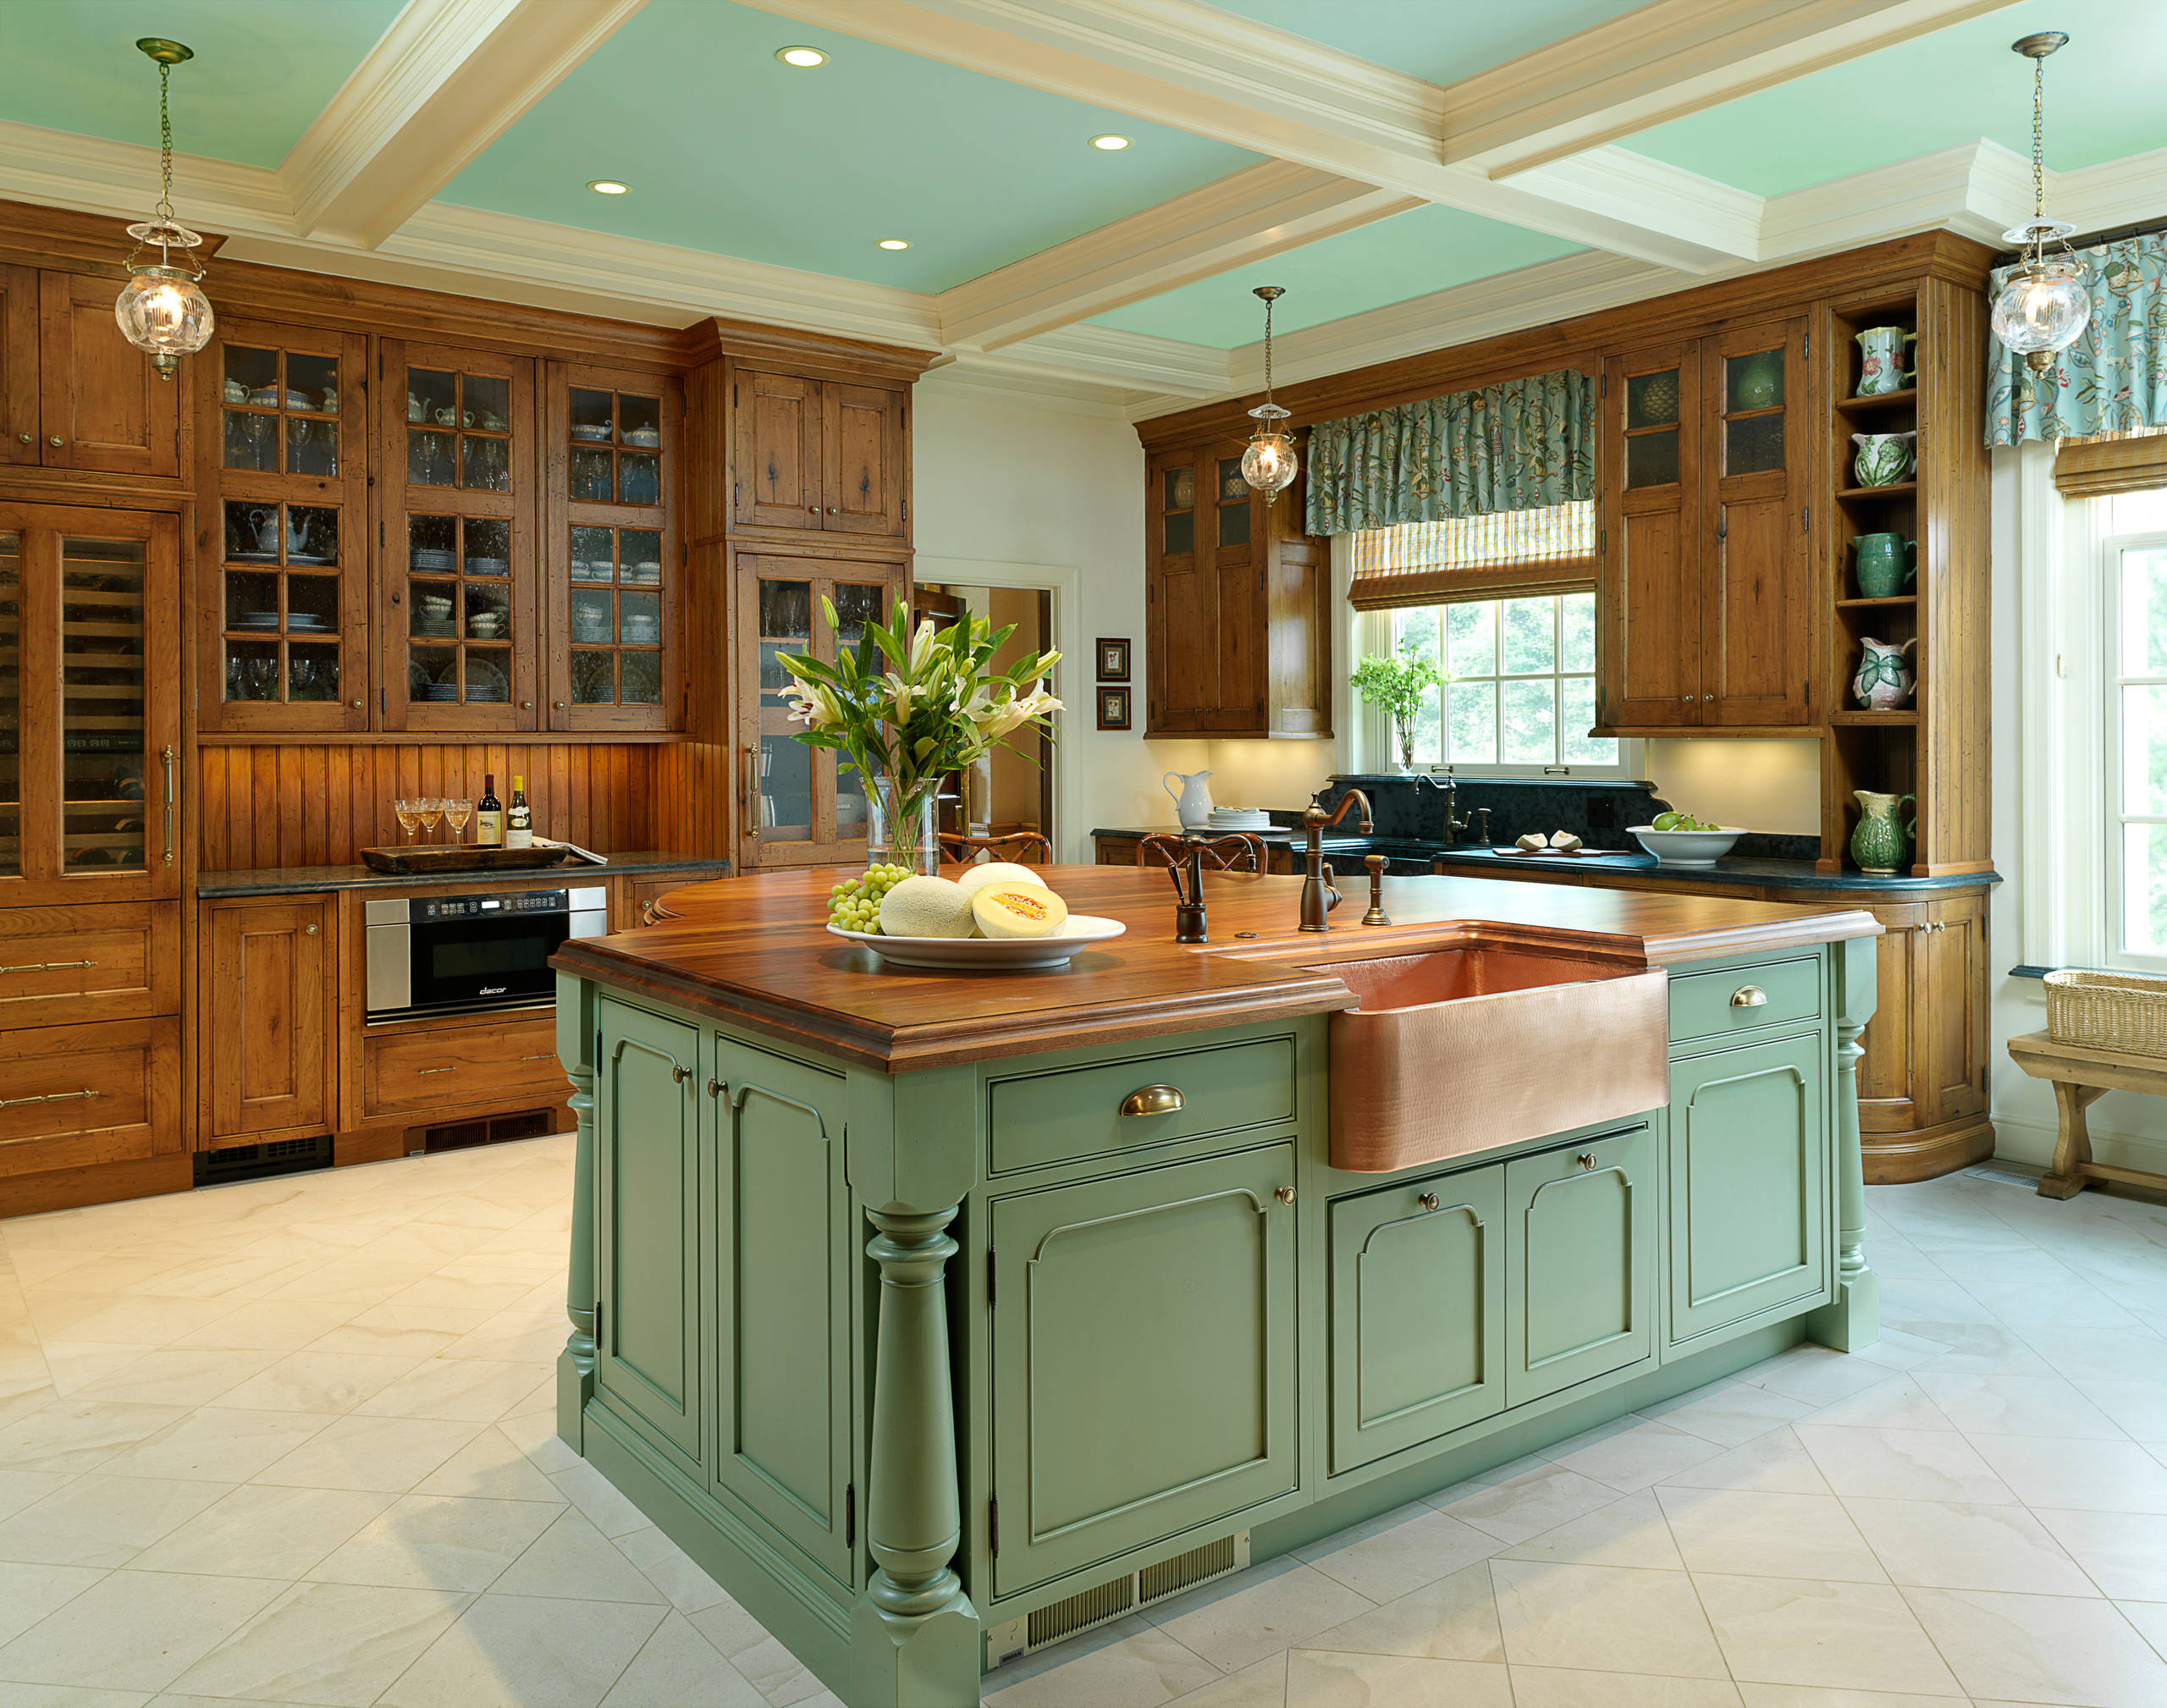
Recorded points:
(796, 807)
(283, 548)
(611, 552)
(90, 705)
(459, 477)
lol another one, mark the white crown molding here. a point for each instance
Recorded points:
(1965, 188)
(1251, 215)
(2098, 198)
(1103, 400)
(1136, 361)
(60, 169)
(1661, 61)
(1718, 216)
(445, 81)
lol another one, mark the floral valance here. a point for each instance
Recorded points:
(2113, 378)
(1522, 444)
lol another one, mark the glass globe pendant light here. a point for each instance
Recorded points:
(2045, 305)
(161, 309)
(1270, 464)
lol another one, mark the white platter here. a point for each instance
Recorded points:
(989, 954)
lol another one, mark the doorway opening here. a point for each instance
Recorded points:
(1011, 789)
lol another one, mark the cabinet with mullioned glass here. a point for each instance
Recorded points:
(284, 545)
(611, 555)
(1707, 522)
(458, 483)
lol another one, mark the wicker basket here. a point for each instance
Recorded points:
(2108, 1010)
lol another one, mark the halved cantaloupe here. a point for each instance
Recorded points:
(1018, 910)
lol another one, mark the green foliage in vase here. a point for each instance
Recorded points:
(1396, 684)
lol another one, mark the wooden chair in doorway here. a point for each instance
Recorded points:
(966, 850)
(1162, 849)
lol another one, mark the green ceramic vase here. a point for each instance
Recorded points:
(1881, 845)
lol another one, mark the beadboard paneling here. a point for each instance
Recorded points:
(317, 805)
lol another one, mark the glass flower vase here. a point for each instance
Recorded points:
(901, 825)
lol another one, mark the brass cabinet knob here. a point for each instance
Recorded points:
(833, 511)
(355, 704)
(559, 704)
(56, 440)
(680, 1075)
(1428, 1200)
(527, 705)
(1748, 996)
(715, 1087)
(1285, 1194)
(1687, 698)
(1154, 1100)
(27, 439)
(1707, 697)
(308, 930)
(1586, 1159)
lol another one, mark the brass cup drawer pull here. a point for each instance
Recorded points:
(1154, 1100)
(1748, 996)
(47, 966)
(1285, 1194)
(49, 1097)
(1428, 1200)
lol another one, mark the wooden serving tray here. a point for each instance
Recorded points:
(423, 861)
(1563, 853)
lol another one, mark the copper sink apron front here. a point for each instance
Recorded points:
(1460, 1050)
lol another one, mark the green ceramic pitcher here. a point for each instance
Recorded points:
(1881, 845)
(1886, 565)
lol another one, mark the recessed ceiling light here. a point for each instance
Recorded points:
(609, 186)
(894, 243)
(805, 57)
(1111, 145)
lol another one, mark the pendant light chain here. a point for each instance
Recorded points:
(2038, 139)
(165, 145)
(1267, 349)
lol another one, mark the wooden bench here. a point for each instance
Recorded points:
(2080, 1077)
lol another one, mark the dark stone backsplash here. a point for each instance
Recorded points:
(1596, 811)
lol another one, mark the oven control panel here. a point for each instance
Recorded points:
(475, 906)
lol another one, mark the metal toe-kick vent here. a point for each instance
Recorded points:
(1013, 1638)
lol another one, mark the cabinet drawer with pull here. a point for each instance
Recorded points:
(415, 1072)
(108, 961)
(1044, 1118)
(1713, 1005)
(74, 1095)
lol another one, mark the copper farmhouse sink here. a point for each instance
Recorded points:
(1466, 1049)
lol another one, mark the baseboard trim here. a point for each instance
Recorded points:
(2021, 1139)
(101, 1183)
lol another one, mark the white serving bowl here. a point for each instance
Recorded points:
(987, 954)
(1686, 847)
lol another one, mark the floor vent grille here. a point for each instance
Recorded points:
(1102, 1603)
(2001, 1174)
(262, 1162)
(462, 1135)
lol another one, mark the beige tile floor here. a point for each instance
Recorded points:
(290, 1442)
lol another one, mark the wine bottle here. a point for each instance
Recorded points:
(488, 815)
(519, 822)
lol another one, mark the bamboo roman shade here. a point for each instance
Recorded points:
(2113, 462)
(1485, 557)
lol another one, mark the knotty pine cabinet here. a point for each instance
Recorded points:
(1238, 617)
(821, 454)
(270, 1018)
(74, 394)
(1706, 589)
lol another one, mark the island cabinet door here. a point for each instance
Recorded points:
(1144, 1352)
(1580, 1243)
(1418, 1312)
(647, 1203)
(1749, 1183)
(783, 1264)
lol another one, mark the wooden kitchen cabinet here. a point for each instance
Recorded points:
(458, 480)
(822, 454)
(1706, 579)
(20, 438)
(1238, 622)
(796, 806)
(102, 406)
(270, 1018)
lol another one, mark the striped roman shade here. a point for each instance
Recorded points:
(1485, 557)
(2134, 460)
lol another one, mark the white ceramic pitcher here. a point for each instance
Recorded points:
(1192, 801)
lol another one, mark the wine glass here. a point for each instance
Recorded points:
(455, 814)
(410, 815)
(428, 809)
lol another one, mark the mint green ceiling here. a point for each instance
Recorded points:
(1441, 40)
(730, 151)
(1955, 85)
(1409, 255)
(263, 68)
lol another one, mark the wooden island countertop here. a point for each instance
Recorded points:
(755, 951)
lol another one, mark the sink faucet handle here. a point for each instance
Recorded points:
(1483, 814)
(1377, 916)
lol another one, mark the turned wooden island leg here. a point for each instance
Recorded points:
(1853, 1322)
(2073, 1144)
(575, 1363)
(915, 1631)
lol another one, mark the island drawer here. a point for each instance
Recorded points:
(410, 1073)
(1713, 1005)
(1043, 1118)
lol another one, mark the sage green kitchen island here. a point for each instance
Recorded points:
(940, 1315)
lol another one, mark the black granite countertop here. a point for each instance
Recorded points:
(293, 880)
(1745, 870)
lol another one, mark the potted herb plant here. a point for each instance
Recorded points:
(1396, 683)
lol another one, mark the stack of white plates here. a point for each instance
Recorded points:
(1240, 818)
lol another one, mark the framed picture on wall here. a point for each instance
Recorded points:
(1113, 659)
(1113, 707)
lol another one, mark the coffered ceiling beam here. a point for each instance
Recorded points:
(1200, 69)
(1661, 61)
(1249, 215)
(446, 79)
